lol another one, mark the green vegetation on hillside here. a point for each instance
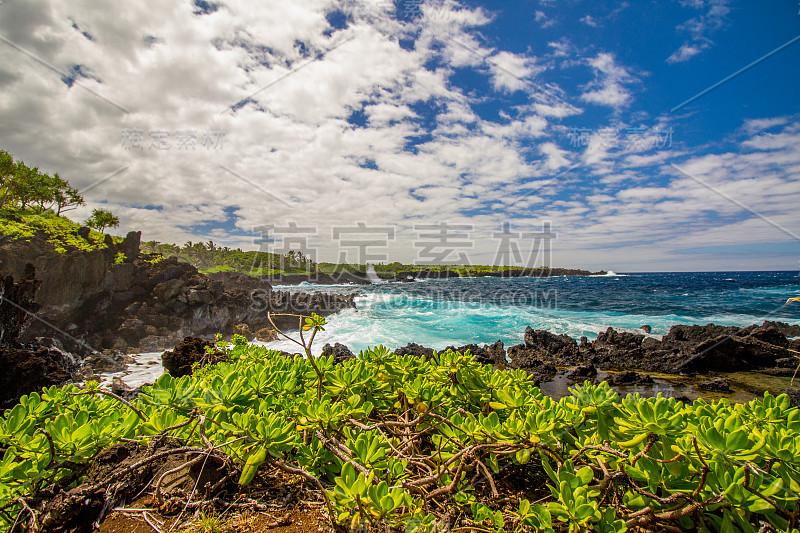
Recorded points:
(209, 258)
(62, 233)
(27, 187)
(102, 219)
(32, 202)
(401, 442)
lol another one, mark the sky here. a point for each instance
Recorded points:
(647, 136)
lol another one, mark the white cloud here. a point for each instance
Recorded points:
(510, 72)
(714, 17)
(373, 131)
(556, 157)
(686, 52)
(609, 87)
(590, 21)
(757, 125)
(559, 110)
(543, 20)
(561, 48)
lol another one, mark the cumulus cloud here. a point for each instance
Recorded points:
(713, 16)
(308, 120)
(556, 157)
(686, 52)
(543, 20)
(251, 113)
(609, 86)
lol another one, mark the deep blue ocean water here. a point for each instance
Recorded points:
(439, 313)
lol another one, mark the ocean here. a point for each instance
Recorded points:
(456, 311)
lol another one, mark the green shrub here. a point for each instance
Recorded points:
(393, 434)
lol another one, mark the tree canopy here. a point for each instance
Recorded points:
(27, 187)
(102, 219)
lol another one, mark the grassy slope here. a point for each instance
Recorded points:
(62, 233)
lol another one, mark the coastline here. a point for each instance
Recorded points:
(690, 362)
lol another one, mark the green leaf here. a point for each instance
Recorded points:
(254, 460)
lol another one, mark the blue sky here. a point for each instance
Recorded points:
(220, 119)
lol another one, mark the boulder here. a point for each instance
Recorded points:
(415, 349)
(30, 368)
(715, 385)
(562, 348)
(266, 335)
(130, 245)
(582, 372)
(191, 350)
(629, 378)
(495, 354)
(244, 331)
(339, 352)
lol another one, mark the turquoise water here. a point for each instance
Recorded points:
(438, 313)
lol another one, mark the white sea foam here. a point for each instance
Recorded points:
(145, 370)
(442, 315)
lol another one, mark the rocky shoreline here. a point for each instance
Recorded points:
(67, 316)
(71, 316)
(625, 359)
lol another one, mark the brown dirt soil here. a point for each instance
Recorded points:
(300, 519)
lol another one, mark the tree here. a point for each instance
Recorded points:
(42, 190)
(7, 168)
(24, 184)
(102, 219)
(66, 198)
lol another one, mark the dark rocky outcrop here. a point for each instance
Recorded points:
(415, 349)
(488, 354)
(179, 361)
(582, 372)
(629, 378)
(148, 303)
(715, 385)
(27, 367)
(17, 303)
(411, 275)
(551, 345)
(543, 350)
(694, 349)
(339, 352)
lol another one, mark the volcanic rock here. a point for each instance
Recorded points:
(266, 335)
(339, 352)
(715, 385)
(415, 349)
(582, 372)
(629, 378)
(551, 346)
(191, 350)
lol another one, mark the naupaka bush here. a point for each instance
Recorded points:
(418, 443)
